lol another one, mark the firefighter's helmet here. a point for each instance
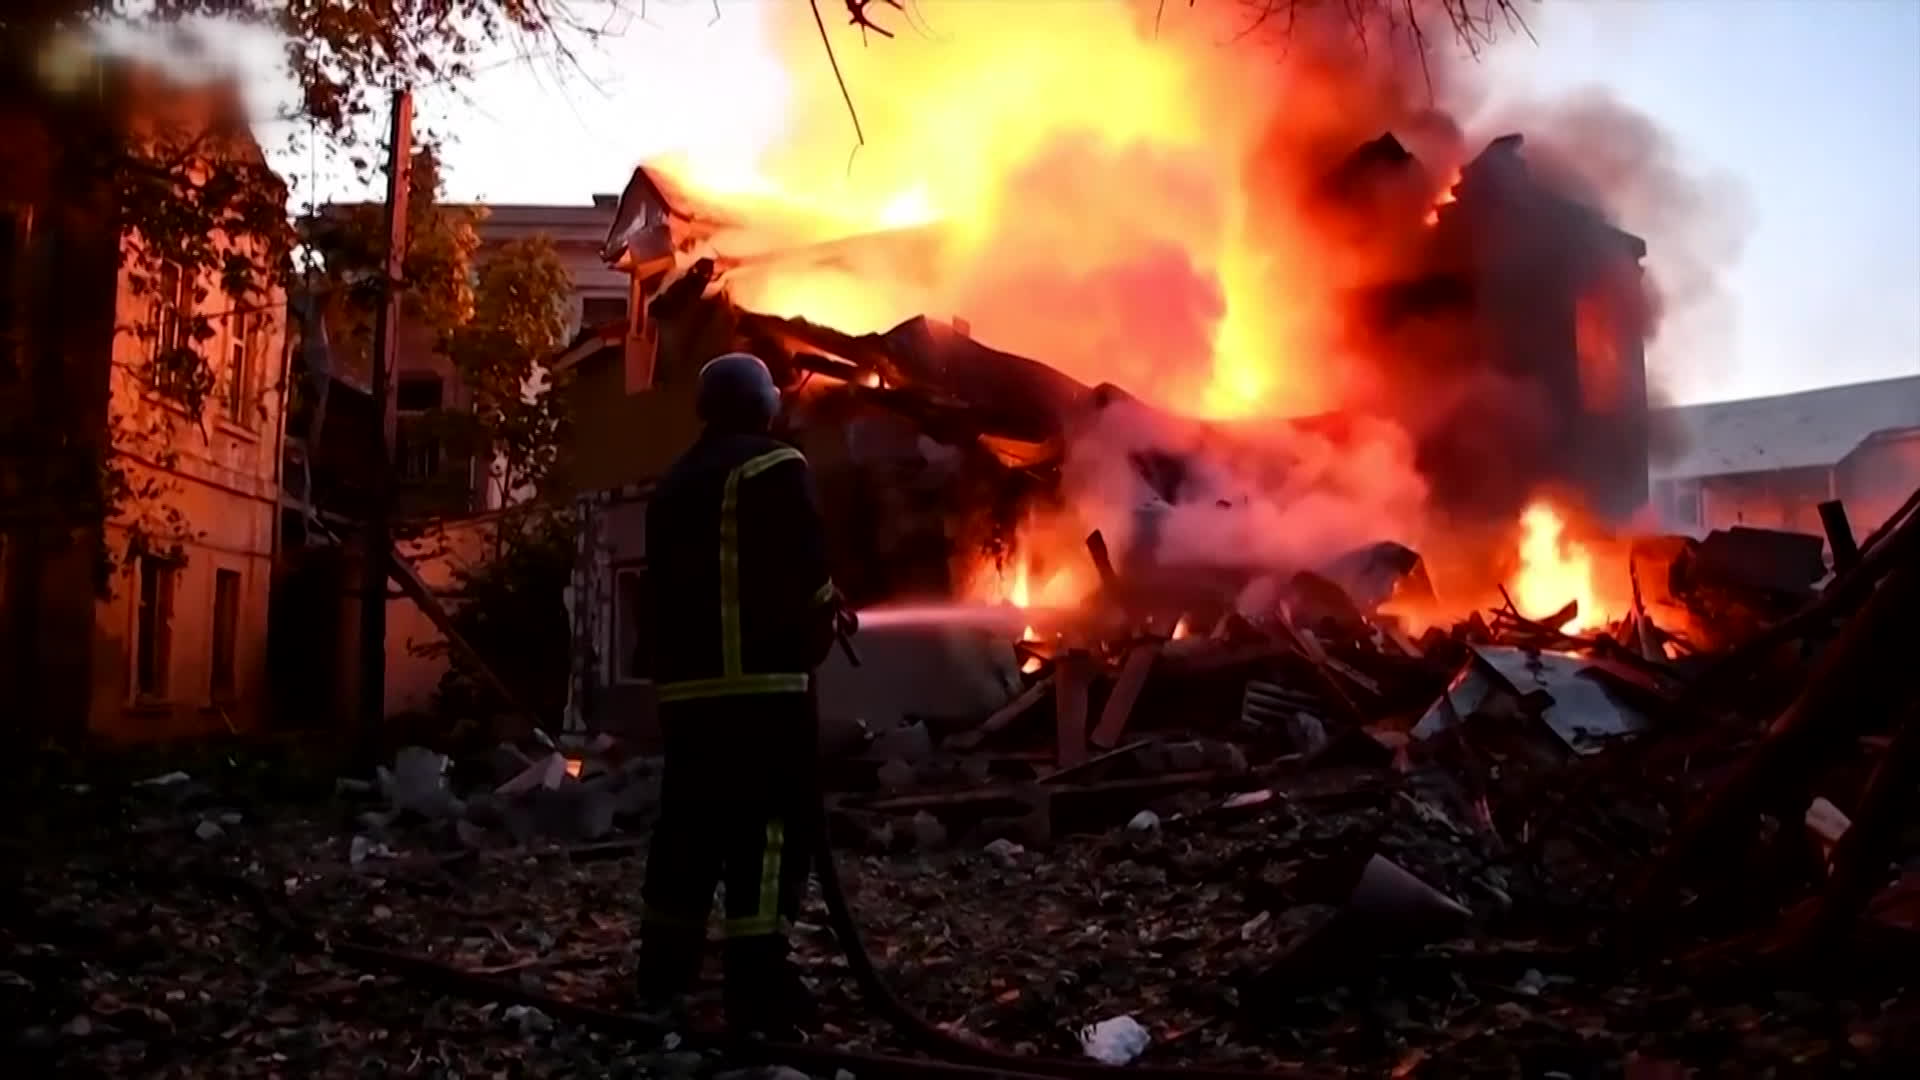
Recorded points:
(737, 393)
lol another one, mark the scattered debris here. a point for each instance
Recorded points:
(164, 780)
(1005, 852)
(1116, 1041)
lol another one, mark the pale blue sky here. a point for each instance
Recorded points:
(1805, 113)
(1811, 108)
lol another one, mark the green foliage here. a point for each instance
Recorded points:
(496, 322)
(513, 614)
(196, 201)
(349, 244)
(515, 408)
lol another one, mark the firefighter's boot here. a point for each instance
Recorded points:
(765, 997)
(670, 959)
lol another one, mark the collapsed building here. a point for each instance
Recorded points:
(931, 448)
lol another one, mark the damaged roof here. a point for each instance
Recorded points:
(1813, 429)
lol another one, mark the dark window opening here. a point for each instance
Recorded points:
(153, 632)
(419, 393)
(600, 310)
(633, 625)
(226, 628)
(416, 453)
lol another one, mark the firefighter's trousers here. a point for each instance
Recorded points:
(740, 806)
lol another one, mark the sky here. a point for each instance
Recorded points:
(1801, 118)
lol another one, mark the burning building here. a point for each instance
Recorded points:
(1236, 352)
(952, 468)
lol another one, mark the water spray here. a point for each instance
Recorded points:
(981, 616)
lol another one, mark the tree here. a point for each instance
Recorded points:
(512, 612)
(1473, 24)
(195, 200)
(187, 205)
(496, 318)
(516, 408)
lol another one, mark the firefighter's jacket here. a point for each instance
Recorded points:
(736, 554)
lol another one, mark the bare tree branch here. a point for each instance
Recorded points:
(860, 137)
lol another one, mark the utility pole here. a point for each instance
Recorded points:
(378, 540)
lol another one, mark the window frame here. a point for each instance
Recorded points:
(171, 307)
(152, 653)
(621, 674)
(587, 303)
(223, 639)
(236, 381)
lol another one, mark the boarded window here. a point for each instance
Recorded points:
(226, 633)
(153, 629)
(633, 625)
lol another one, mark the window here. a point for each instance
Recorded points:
(1685, 502)
(172, 306)
(1597, 350)
(418, 393)
(601, 310)
(226, 628)
(153, 631)
(293, 529)
(416, 453)
(632, 625)
(239, 376)
(174, 369)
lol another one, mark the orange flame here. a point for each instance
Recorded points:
(1445, 198)
(1554, 570)
(1109, 179)
(574, 765)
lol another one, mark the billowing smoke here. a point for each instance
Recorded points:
(1173, 492)
(1609, 155)
(1257, 228)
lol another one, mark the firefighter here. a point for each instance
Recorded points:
(745, 611)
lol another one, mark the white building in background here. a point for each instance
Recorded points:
(1769, 462)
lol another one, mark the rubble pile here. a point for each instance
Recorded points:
(570, 790)
(1303, 846)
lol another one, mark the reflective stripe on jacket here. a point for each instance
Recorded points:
(736, 555)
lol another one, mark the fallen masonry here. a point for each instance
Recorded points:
(1285, 842)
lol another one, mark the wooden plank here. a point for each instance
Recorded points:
(1126, 692)
(1071, 681)
(1005, 715)
(1025, 793)
(1094, 764)
(1316, 658)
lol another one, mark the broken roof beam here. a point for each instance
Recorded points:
(864, 352)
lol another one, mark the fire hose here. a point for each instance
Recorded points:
(950, 1056)
(954, 1057)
